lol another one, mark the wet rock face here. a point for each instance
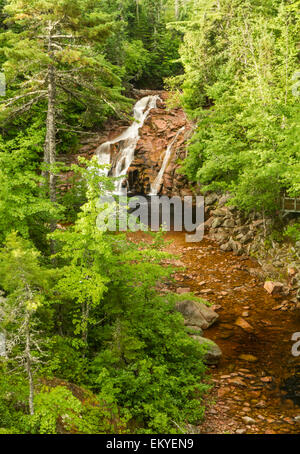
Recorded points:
(157, 133)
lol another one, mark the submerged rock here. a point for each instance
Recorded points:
(182, 290)
(249, 358)
(243, 324)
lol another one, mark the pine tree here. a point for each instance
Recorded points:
(53, 52)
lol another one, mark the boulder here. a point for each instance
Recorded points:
(274, 288)
(194, 330)
(213, 352)
(211, 199)
(256, 272)
(229, 223)
(238, 248)
(249, 358)
(208, 223)
(227, 247)
(216, 223)
(196, 314)
(245, 239)
(221, 212)
(222, 237)
(243, 229)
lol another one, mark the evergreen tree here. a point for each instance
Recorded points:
(239, 60)
(54, 54)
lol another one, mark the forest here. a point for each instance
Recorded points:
(89, 344)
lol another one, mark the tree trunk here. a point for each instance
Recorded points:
(29, 365)
(50, 142)
(85, 323)
(51, 130)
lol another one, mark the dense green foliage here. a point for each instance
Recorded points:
(240, 85)
(95, 318)
(92, 346)
(143, 44)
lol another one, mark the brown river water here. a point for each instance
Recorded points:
(250, 386)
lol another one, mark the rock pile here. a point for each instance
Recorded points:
(234, 232)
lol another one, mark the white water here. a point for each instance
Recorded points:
(129, 139)
(155, 187)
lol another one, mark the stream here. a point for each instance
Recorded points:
(256, 366)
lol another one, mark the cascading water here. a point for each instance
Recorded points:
(155, 187)
(103, 154)
(129, 139)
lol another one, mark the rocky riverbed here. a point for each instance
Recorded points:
(255, 339)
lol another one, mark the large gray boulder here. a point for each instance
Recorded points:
(196, 314)
(213, 352)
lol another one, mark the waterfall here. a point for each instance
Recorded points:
(155, 187)
(128, 141)
(103, 154)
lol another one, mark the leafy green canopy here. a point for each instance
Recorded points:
(240, 61)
